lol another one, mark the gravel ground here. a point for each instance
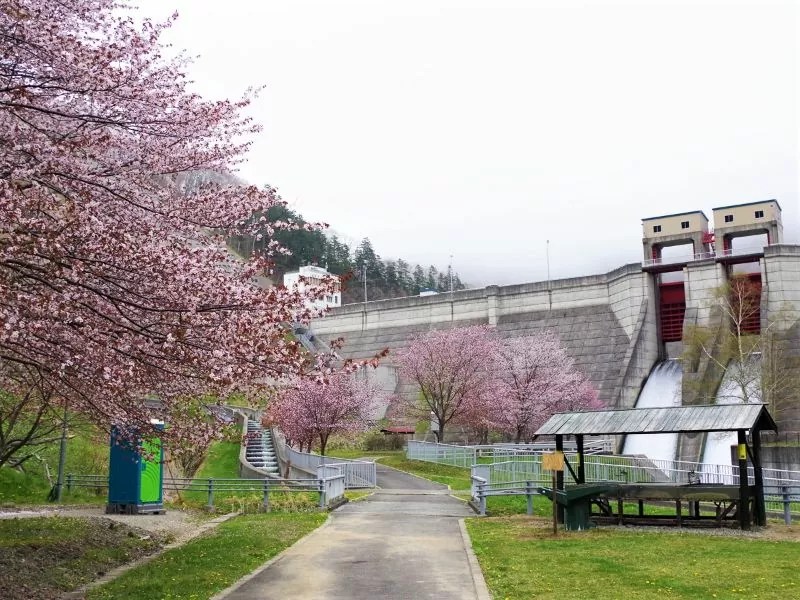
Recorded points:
(174, 524)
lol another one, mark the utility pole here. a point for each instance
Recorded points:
(364, 277)
(547, 254)
(450, 274)
(549, 291)
(62, 457)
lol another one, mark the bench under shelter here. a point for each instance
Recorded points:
(744, 501)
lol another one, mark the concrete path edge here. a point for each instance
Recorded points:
(481, 589)
(240, 582)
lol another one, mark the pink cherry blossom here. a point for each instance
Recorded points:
(314, 410)
(537, 379)
(454, 370)
(117, 294)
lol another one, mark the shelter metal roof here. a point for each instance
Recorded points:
(674, 419)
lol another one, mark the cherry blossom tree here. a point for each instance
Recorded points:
(314, 410)
(454, 370)
(537, 379)
(116, 293)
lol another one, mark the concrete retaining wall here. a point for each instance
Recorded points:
(785, 458)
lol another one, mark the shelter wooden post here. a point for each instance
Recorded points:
(744, 487)
(581, 468)
(560, 476)
(760, 516)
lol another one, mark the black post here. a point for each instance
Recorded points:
(760, 507)
(62, 457)
(560, 476)
(581, 468)
(744, 488)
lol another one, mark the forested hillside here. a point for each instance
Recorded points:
(385, 278)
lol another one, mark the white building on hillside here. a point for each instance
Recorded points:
(313, 275)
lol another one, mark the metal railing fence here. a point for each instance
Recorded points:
(466, 456)
(445, 454)
(778, 500)
(781, 494)
(519, 464)
(482, 489)
(329, 485)
(357, 473)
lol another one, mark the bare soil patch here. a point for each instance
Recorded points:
(43, 557)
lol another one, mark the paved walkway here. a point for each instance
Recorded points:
(404, 541)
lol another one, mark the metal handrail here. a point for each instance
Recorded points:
(329, 486)
(358, 473)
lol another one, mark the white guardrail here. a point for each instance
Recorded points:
(689, 257)
(466, 456)
(357, 473)
(518, 464)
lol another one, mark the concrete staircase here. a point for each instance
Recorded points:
(259, 448)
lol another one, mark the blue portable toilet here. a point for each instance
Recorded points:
(135, 482)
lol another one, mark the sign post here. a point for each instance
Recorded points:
(554, 461)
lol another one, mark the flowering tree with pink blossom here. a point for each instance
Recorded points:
(311, 411)
(454, 372)
(116, 293)
(537, 379)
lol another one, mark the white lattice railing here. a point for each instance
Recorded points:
(357, 473)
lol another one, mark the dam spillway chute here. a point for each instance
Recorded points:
(740, 383)
(662, 389)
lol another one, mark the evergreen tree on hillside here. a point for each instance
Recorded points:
(433, 274)
(389, 279)
(337, 256)
(419, 280)
(365, 257)
(442, 283)
(390, 272)
(404, 281)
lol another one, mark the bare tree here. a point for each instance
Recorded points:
(28, 420)
(749, 356)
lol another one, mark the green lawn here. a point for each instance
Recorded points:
(520, 559)
(222, 461)
(204, 566)
(87, 453)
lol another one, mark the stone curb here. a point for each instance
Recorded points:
(481, 589)
(116, 572)
(240, 582)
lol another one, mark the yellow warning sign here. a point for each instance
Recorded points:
(742, 452)
(553, 461)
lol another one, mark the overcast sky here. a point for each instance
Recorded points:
(483, 129)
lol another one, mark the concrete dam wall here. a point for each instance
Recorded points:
(606, 323)
(611, 324)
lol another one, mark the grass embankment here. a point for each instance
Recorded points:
(203, 567)
(520, 559)
(222, 462)
(87, 453)
(44, 557)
